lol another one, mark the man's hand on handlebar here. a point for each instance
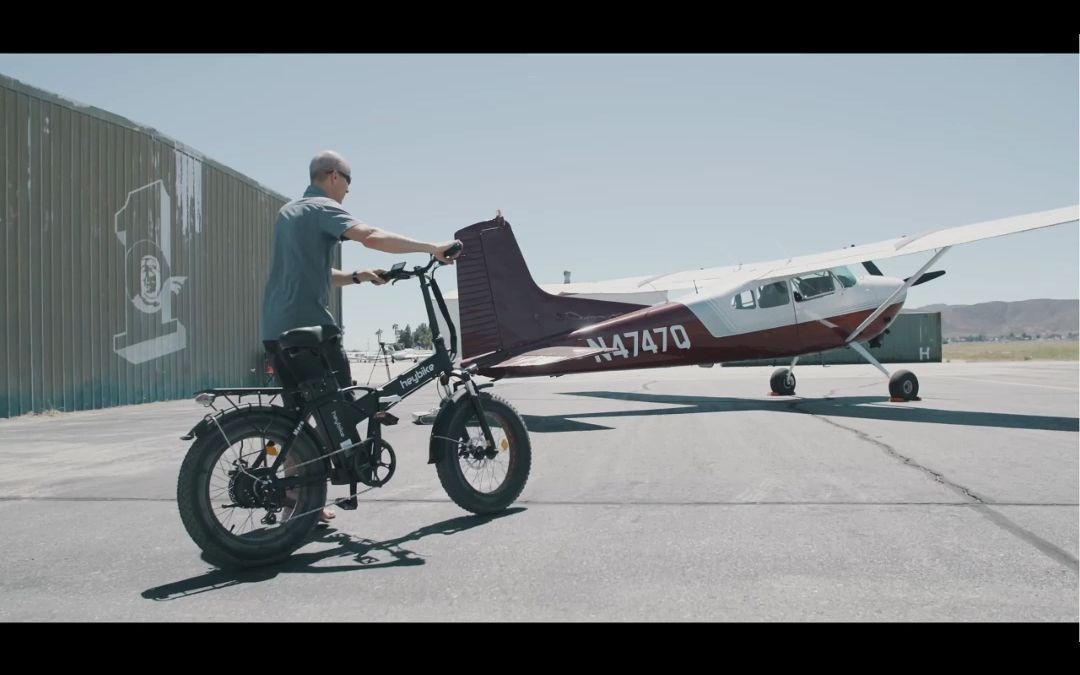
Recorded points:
(447, 251)
(374, 276)
(444, 253)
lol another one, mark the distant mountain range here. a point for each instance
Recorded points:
(1000, 319)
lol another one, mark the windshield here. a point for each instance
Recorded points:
(844, 275)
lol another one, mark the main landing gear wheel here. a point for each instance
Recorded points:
(904, 385)
(783, 382)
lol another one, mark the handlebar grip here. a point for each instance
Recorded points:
(455, 248)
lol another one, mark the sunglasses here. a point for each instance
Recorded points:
(347, 177)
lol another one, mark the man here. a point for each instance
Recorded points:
(306, 233)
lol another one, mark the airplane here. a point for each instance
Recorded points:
(511, 327)
(369, 357)
(412, 354)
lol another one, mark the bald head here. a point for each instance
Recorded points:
(327, 161)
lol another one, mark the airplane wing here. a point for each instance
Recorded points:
(733, 276)
(925, 241)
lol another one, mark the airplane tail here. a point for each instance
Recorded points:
(503, 312)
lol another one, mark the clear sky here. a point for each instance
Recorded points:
(622, 165)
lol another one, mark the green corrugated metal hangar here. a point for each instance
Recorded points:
(133, 267)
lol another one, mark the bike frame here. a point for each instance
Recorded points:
(328, 404)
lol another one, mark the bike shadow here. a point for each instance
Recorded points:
(360, 549)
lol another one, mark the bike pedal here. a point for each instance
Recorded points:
(349, 504)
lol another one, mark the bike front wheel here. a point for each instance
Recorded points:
(480, 479)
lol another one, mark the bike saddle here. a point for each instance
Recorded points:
(308, 336)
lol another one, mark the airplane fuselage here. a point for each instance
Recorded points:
(771, 321)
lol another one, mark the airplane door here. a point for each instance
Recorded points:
(776, 311)
(818, 299)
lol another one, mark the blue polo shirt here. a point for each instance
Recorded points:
(306, 233)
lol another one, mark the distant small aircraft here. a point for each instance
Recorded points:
(412, 354)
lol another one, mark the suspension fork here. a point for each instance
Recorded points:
(429, 287)
(474, 398)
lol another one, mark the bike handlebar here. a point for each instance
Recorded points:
(398, 273)
(454, 248)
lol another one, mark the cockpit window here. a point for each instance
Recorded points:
(744, 300)
(844, 275)
(773, 295)
(812, 285)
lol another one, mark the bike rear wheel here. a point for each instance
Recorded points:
(231, 509)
